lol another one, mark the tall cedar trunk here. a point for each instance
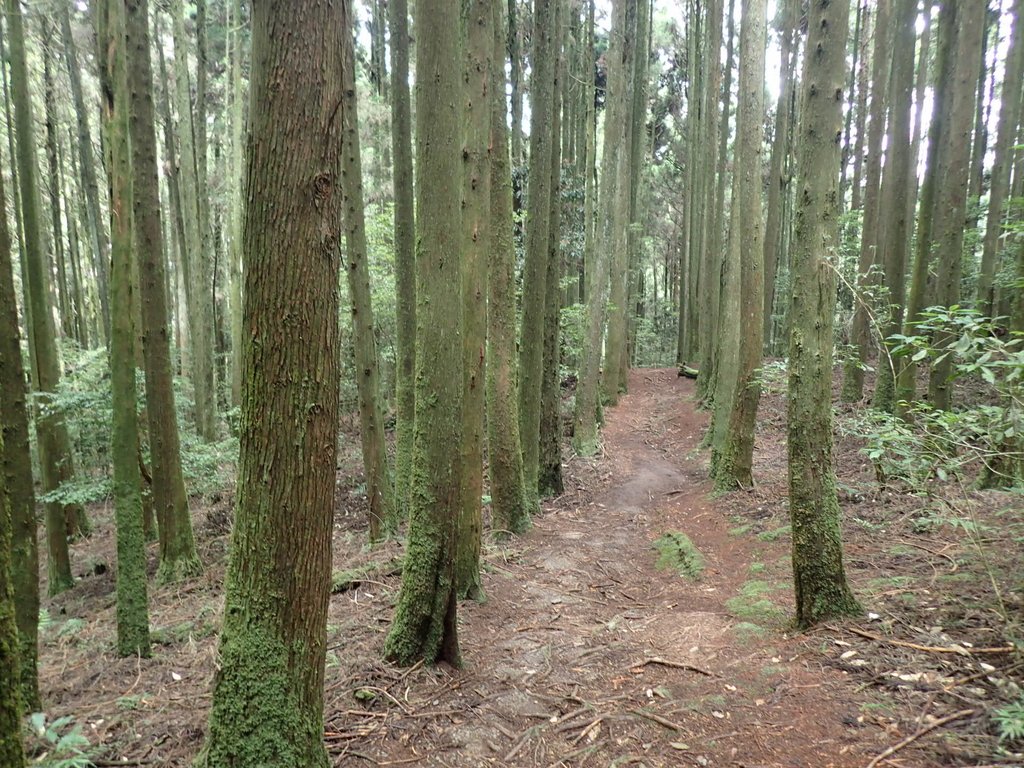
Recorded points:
(735, 453)
(853, 375)
(695, 178)
(425, 625)
(268, 692)
(235, 199)
(612, 383)
(367, 365)
(132, 609)
(87, 164)
(1009, 118)
(12, 705)
(54, 446)
(711, 293)
(895, 214)
(538, 221)
(516, 85)
(918, 298)
(476, 241)
(855, 47)
(195, 257)
(614, 158)
(178, 556)
(549, 472)
(504, 450)
(818, 574)
(951, 199)
(405, 249)
(590, 183)
(81, 330)
(863, 88)
(16, 473)
(923, 65)
(778, 181)
(53, 191)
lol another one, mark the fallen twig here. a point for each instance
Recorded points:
(657, 719)
(531, 731)
(675, 665)
(890, 751)
(932, 648)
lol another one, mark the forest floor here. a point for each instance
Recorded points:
(587, 653)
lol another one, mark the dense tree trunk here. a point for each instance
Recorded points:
(379, 490)
(538, 221)
(895, 214)
(425, 625)
(235, 197)
(504, 450)
(132, 609)
(860, 333)
(178, 556)
(476, 242)
(55, 456)
(195, 256)
(818, 574)
(268, 691)
(732, 458)
(1009, 118)
(16, 472)
(53, 185)
(405, 250)
(951, 198)
(87, 165)
(12, 750)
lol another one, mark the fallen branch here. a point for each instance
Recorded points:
(959, 649)
(674, 665)
(343, 581)
(531, 731)
(890, 751)
(657, 719)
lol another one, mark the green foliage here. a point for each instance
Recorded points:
(1009, 720)
(677, 552)
(58, 743)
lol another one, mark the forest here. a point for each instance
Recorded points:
(511, 383)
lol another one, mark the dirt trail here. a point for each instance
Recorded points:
(586, 654)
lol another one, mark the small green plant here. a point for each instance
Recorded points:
(678, 553)
(1009, 720)
(58, 743)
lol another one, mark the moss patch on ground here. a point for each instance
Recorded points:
(676, 552)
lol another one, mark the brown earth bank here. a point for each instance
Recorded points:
(605, 639)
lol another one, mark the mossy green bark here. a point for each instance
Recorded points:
(425, 619)
(818, 574)
(379, 491)
(132, 609)
(178, 556)
(12, 751)
(16, 471)
(538, 221)
(405, 249)
(54, 446)
(505, 458)
(267, 707)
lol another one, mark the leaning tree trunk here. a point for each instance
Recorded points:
(357, 271)
(509, 504)
(425, 625)
(132, 609)
(16, 472)
(818, 574)
(55, 457)
(268, 691)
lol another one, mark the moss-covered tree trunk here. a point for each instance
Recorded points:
(55, 456)
(268, 692)
(504, 450)
(860, 332)
(614, 161)
(87, 165)
(951, 198)
(364, 341)
(735, 449)
(893, 239)
(425, 624)
(16, 471)
(195, 257)
(1009, 118)
(12, 750)
(178, 556)
(67, 328)
(405, 249)
(132, 611)
(476, 243)
(818, 575)
(549, 471)
(538, 222)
